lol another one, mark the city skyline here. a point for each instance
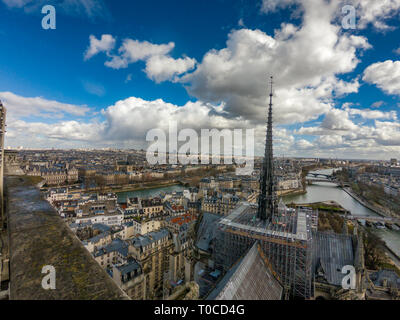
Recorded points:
(109, 73)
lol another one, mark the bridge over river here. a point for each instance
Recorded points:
(375, 219)
(320, 177)
(323, 177)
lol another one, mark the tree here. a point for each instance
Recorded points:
(374, 250)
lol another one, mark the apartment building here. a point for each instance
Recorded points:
(152, 251)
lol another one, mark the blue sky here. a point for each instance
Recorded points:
(112, 70)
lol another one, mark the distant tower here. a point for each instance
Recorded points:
(267, 199)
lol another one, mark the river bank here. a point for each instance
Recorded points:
(145, 186)
(324, 206)
(131, 187)
(393, 256)
(148, 192)
(292, 192)
(326, 191)
(363, 202)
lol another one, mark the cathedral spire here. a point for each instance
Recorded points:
(267, 198)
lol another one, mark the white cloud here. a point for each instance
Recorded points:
(375, 12)
(105, 44)
(303, 144)
(16, 3)
(160, 67)
(19, 107)
(388, 133)
(385, 75)
(88, 8)
(330, 141)
(64, 130)
(133, 50)
(273, 5)
(133, 117)
(368, 11)
(338, 135)
(231, 85)
(373, 114)
(305, 61)
(337, 119)
(125, 123)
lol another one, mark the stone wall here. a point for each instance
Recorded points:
(39, 237)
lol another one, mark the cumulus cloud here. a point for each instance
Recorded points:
(134, 50)
(231, 85)
(337, 119)
(63, 130)
(341, 120)
(105, 44)
(385, 75)
(368, 11)
(160, 68)
(126, 122)
(339, 135)
(305, 60)
(20, 107)
(273, 5)
(373, 114)
(387, 133)
(375, 12)
(303, 144)
(133, 117)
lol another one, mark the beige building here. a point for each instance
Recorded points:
(180, 266)
(288, 184)
(152, 252)
(221, 205)
(55, 176)
(145, 226)
(151, 207)
(135, 227)
(98, 241)
(131, 279)
(113, 253)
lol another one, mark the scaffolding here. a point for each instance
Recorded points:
(286, 243)
(284, 234)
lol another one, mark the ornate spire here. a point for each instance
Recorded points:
(267, 198)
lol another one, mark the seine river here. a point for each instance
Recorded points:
(146, 193)
(319, 191)
(324, 191)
